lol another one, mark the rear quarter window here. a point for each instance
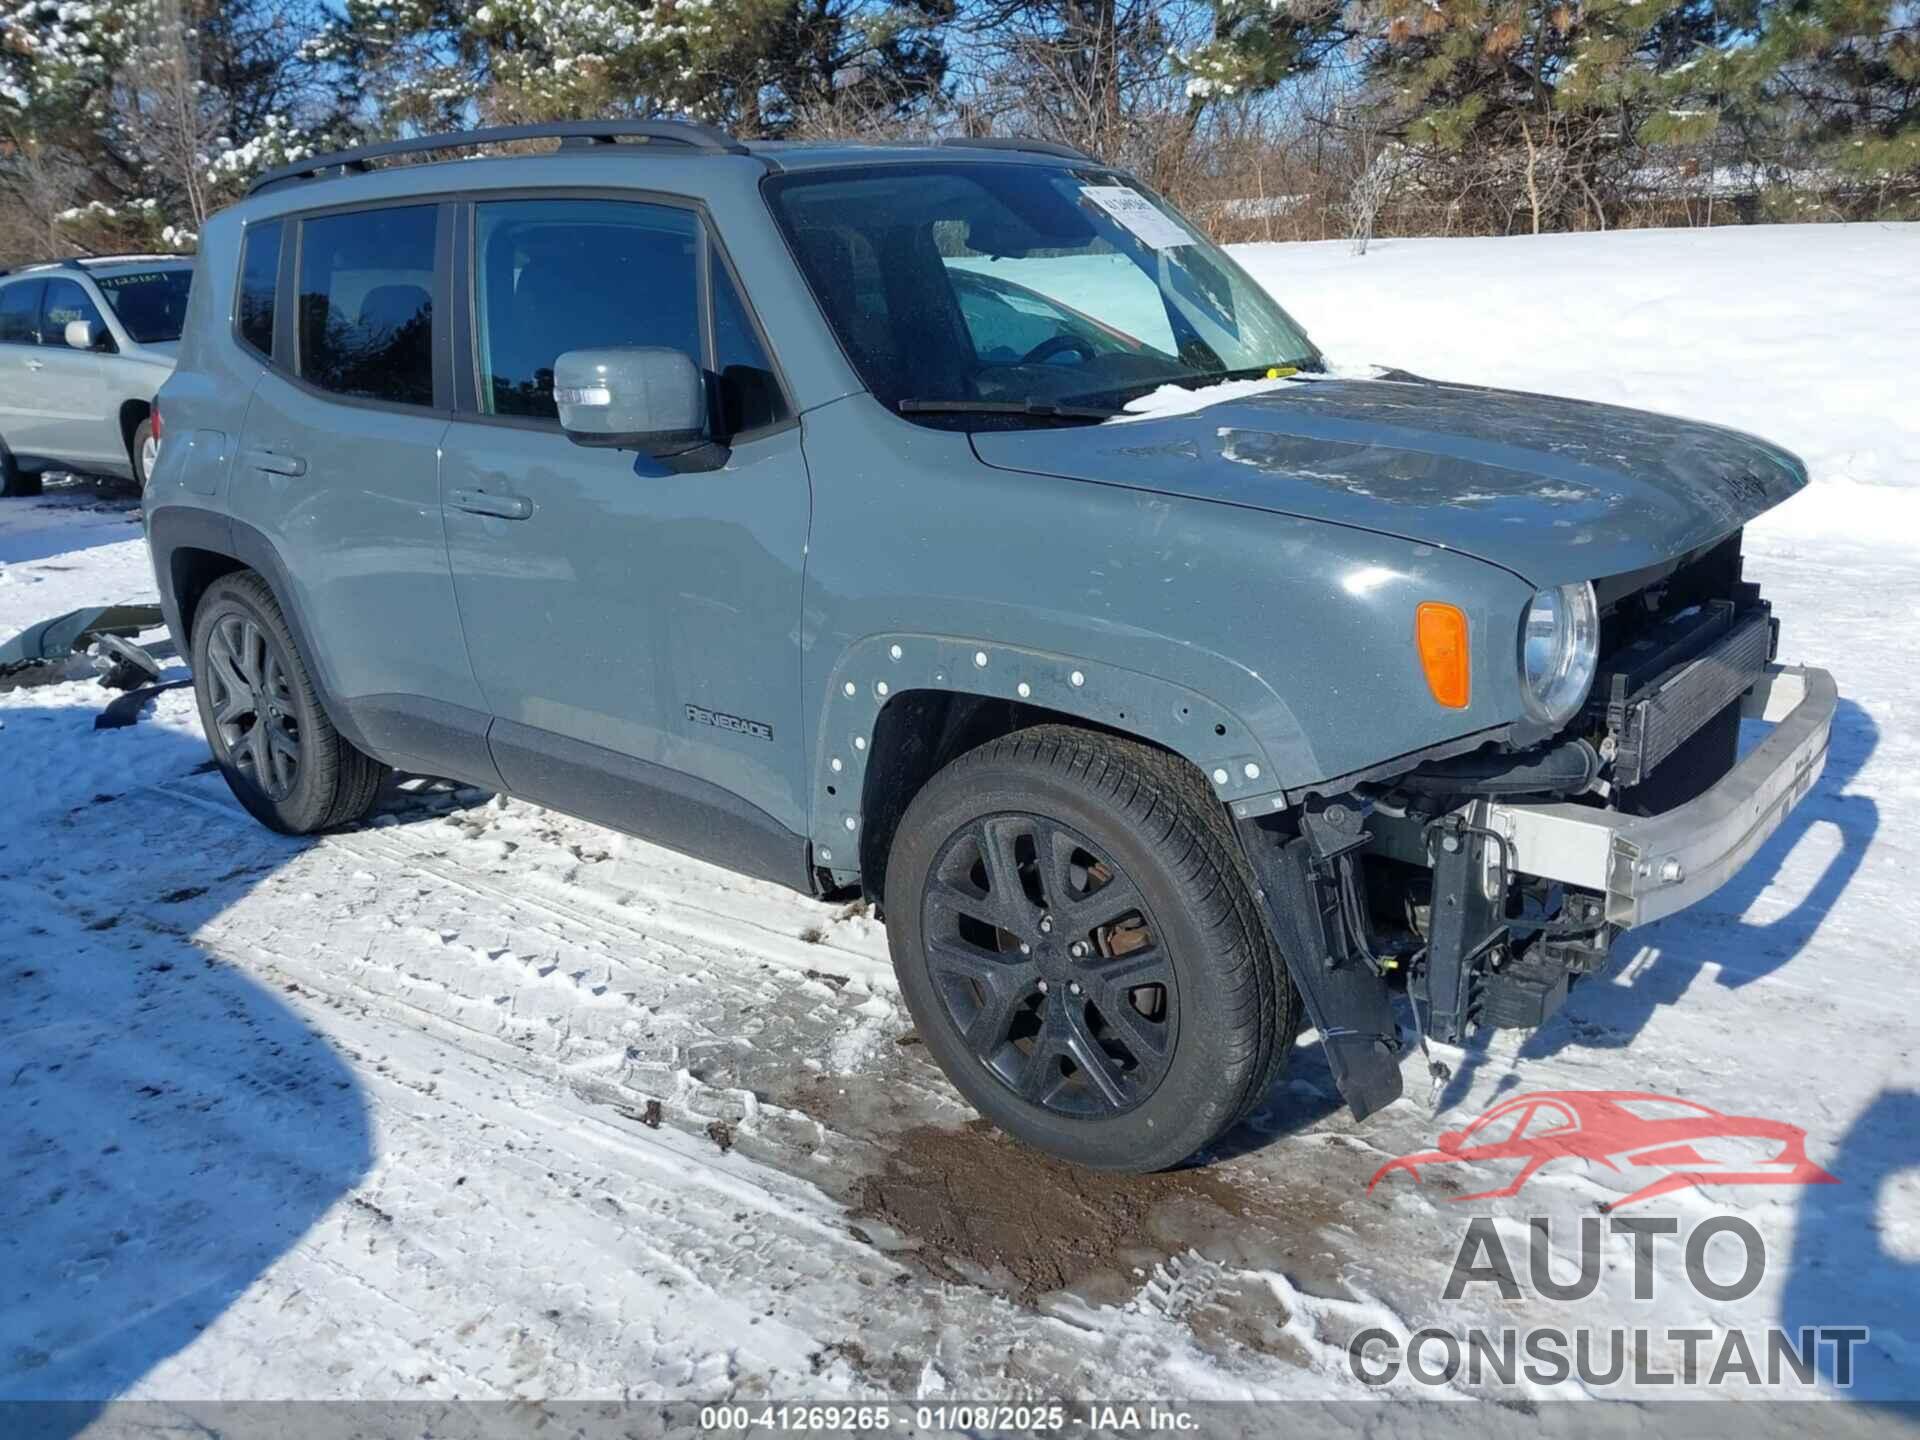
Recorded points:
(259, 278)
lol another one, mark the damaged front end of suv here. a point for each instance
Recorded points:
(1494, 880)
(1513, 650)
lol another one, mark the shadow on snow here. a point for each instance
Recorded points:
(1848, 1269)
(1599, 1015)
(170, 1128)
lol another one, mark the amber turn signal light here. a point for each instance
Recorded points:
(1441, 632)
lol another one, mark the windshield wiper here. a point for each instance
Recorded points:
(1038, 409)
(1201, 379)
(1310, 365)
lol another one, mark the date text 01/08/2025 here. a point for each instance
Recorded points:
(953, 1415)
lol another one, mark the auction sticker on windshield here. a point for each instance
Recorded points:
(1139, 215)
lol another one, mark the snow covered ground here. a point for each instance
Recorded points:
(482, 1101)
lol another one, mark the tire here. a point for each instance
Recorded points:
(244, 658)
(1174, 1023)
(15, 483)
(137, 452)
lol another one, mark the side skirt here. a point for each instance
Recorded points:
(650, 801)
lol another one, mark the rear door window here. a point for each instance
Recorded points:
(20, 312)
(259, 279)
(151, 304)
(366, 303)
(559, 275)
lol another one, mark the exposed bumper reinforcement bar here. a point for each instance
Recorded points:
(1649, 866)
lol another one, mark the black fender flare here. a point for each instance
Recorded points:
(171, 528)
(1214, 738)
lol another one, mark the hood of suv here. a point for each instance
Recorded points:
(1554, 490)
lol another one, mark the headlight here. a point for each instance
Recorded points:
(1559, 648)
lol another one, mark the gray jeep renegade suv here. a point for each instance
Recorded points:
(84, 344)
(756, 499)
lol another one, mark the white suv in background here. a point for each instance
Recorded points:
(84, 344)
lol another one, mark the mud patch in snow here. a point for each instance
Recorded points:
(987, 1211)
(1201, 1247)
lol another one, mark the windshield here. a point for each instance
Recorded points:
(151, 304)
(1023, 287)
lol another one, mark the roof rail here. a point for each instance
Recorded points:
(130, 256)
(80, 262)
(65, 262)
(569, 132)
(1006, 142)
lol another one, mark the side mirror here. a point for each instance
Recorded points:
(640, 398)
(85, 335)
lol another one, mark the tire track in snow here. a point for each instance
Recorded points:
(517, 1235)
(690, 1018)
(817, 1023)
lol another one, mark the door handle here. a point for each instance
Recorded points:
(482, 502)
(275, 463)
(36, 364)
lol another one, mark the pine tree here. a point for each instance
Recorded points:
(126, 122)
(1563, 111)
(1848, 74)
(753, 64)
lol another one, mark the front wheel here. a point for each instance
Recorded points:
(1077, 941)
(279, 752)
(15, 483)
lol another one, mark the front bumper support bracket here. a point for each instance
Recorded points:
(1347, 1002)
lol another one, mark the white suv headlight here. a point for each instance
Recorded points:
(1559, 649)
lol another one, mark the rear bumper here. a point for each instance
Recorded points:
(1649, 866)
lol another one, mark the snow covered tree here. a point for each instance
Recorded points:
(1562, 111)
(1257, 45)
(751, 64)
(1850, 71)
(123, 123)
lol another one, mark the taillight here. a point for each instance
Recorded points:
(154, 418)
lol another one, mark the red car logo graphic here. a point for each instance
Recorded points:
(1624, 1130)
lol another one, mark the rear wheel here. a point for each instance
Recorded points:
(1077, 941)
(145, 450)
(264, 723)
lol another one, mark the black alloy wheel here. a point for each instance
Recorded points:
(253, 704)
(1079, 941)
(1048, 961)
(269, 733)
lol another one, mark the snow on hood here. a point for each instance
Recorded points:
(1183, 400)
(1551, 489)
